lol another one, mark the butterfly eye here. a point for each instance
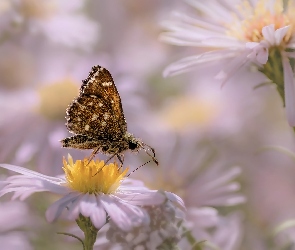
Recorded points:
(132, 145)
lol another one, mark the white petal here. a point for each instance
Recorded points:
(259, 52)
(20, 193)
(190, 62)
(125, 216)
(98, 215)
(28, 172)
(262, 55)
(87, 204)
(212, 9)
(24, 186)
(148, 198)
(232, 67)
(74, 208)
(251, 45)
(172, 38)
(229, 200)
(118, 215)
(228, 176)
(268, 33)
(55, 210)
(204, 216)
(289, 91)
(280, 34)
(175, 199)
(194, 22)
(223, 42)
(186, 35)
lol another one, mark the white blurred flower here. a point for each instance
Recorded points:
(59, 21)
(163, 232)
(33, 131)
(13, 216)
(207, 109)
(15, 241)
(224, 233)
(188, 168)
(235, 33)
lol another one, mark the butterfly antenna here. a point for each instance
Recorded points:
(152, 156)
(138, 168)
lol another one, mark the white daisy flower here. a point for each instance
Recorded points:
(235, 33)
(164, 231)
(92, 189)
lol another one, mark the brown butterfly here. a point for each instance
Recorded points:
(97, 120)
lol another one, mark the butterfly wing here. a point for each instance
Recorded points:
(97, 111)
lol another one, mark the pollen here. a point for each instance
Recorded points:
(93, 177)
(259, 16)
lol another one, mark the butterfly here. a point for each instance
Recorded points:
(96, 119)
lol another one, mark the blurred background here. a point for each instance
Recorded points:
(212, 141)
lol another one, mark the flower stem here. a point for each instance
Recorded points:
(191, 239)
(273, 69)
(90, 232)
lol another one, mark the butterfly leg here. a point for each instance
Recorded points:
(121, 159)
(109, 159)
(105, 164)
(94, 152)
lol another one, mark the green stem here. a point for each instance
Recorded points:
(191, 239)
(90, 232)
(273, 69)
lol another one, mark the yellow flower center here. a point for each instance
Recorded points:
(250, 29)
(55, 97)
(200, 112)
(93, 177)
(159, 180)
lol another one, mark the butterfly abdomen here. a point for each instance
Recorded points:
(107, 146)
(80, 142)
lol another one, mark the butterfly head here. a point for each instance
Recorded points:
(135, 144)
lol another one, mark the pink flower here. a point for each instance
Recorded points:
(236, 33)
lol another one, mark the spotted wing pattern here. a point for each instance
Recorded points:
(97, 111)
